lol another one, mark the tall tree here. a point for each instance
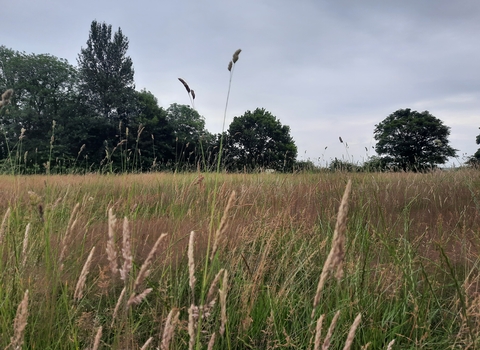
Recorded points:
(106, 72)
(44, 88)
(258, 140)
(413, 141)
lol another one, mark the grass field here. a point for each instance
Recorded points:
(240, 264)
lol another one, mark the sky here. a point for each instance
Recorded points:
(326, 68)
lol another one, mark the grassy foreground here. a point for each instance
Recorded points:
(84, 262)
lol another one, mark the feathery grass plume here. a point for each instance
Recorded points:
(318, 333)
(147, 344)
(25, 245)
(212, 291)
(223, 225)
(117, 306)
(351, 333)
(326, 343)
(169, 330)
(191, 264)
(390, 345)
(83, 277)
(71, 224)
(193, 94)
(337, 252)
(144, 270)
(211, 342)
(6, 96)
(3, 226)
(19, 324)
(136, 299)
(111, 251)
(126, 251)
(98, 337)
(223, 302)
(230, 65)
(340, 139)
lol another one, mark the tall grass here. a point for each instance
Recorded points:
(410, 261)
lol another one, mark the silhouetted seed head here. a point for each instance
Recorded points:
(192, 93)
(230, 64)
(235, 55)
(185, 84)
(340, 139)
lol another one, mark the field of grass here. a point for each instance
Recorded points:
(85, 265)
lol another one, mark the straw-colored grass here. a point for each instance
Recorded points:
(202, 267)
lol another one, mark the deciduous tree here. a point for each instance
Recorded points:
(258, 140)
(413, 141)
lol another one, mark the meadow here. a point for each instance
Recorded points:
(240, 261)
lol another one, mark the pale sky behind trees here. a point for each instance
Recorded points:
(326, 68)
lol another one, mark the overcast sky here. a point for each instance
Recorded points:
(326, 68)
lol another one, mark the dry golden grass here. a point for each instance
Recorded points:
(270, 238)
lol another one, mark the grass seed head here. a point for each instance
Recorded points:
(19, 323)
(6, 96)
(126, 251)
(98, 337)
(191, 263)
(145, 270)
(136, 299)
(333, 324)
(185, 84)
(351, 333)
(3, 226)
(235, 55)
(111, 251)
(83, 277)
(169, 330)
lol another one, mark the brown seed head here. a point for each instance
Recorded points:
(230, 64)
(6, 96)
(185, 84)
(20, 323)
(235, 55)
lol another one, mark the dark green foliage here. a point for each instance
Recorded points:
(155, 135)
(44, 95)
(67, 119)
(342, 165)
(374, 164)
(106, 73)
(191, 139)
(413, 141)
(475, 159)
(258, 140)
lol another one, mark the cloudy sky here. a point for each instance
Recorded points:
(326, 68)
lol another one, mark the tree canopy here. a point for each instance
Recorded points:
(62, 118)
(258, 140)
(409, 140)
(474, 160)
(106, 72)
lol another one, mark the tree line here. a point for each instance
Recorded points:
(61, 117)
(56, 117)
